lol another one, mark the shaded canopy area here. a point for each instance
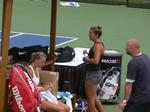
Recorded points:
(6, 28)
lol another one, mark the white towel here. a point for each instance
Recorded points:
(47, 95)
(68, 102)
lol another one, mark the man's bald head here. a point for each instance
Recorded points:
(134, 43)
(133, 47)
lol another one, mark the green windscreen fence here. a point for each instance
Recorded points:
(139, 3)
(132, 3)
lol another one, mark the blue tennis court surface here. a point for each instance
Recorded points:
(26, 39)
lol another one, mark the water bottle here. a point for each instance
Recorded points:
(110, 85)
(66, 86)
(83, 105)
(10, 57)
(85, 54)
(0, 58)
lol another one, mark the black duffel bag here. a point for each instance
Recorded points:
(23, 54)
(65, 54)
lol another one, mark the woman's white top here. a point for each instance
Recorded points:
(35, 79)
(45, 95)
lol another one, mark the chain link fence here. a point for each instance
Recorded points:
(129, 3)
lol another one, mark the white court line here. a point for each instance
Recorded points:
(42, 35)
(74, 38)
(15, 35)
(67, 42)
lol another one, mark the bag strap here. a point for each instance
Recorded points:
(24, 69)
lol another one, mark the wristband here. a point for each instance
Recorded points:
(84, 59)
